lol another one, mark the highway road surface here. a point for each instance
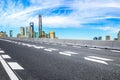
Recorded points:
(30, 60)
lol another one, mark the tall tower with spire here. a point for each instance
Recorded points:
(40, 26)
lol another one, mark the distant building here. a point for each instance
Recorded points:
(51, 35)
(107, 37)
(18, 35)
(43, 34)
(30, 32)
(100, 38)
(95, 38)
(118, 35)
(11, 33)
(40, 26)
(115, 38)
(22, 31)
(47, 35)
(3, 34)
(27, 31)
(32, 29)
(35, 34)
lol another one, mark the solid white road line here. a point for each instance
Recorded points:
(6, 56)
(65, 53)
(15, 66)
(9, 71)
(114, 51)
(104, 59)
(95, 60)
(95, 48)
(2, 51)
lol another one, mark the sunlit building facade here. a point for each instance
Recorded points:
(107, 37)
(32, 29)
(22, 31)
(27, 31)
(3, 34)
(51, 35)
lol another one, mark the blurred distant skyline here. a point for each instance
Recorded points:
(70, 19)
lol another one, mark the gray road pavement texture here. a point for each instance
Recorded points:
(28, 60)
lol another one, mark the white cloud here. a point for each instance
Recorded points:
(84, 11)
(110, 29)
(60, 21)
(24, 12)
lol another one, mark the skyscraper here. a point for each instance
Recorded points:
(30, 32)
(11, 33)
(40, 26)
(27, 31)
(32, 27)
(22, 31)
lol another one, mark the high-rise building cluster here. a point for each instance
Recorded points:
(30, 33)
(107, 37)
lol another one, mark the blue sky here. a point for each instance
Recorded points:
(70, 19)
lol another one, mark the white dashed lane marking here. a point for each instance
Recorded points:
(67, 53)
(51, 49)
(15, 66)
(6, 56)
(95, 48)
(1, 51)
(105, 59)
(39, 47)
(54, 44)
(63, 45)
(31, 45)
(97, 59)
(48, 50)
(9, 71)
(24, 44)
(76, 46)
(47, 43)
(115, 51)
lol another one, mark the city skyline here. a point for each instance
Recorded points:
(70, 19)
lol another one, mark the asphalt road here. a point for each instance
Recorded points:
(29, 60)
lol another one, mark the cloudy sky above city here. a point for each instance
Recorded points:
(70, 19)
